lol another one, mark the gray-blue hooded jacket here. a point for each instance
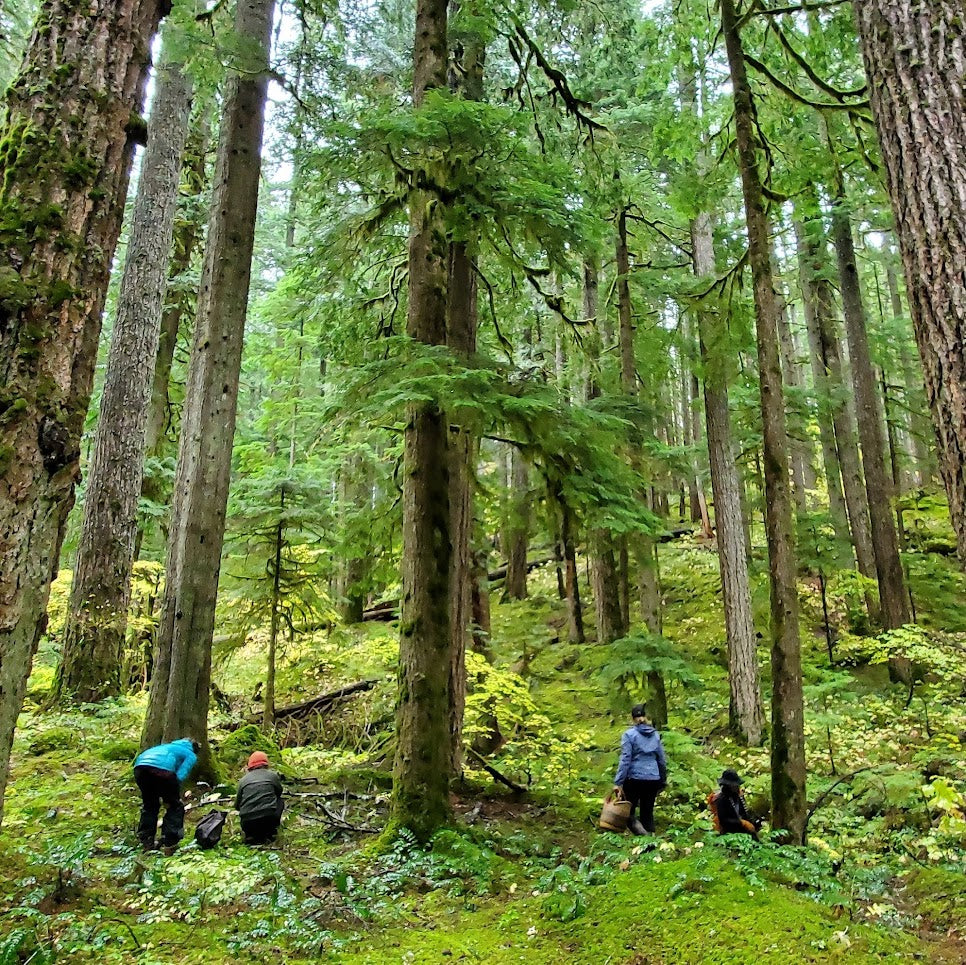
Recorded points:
(642, 755)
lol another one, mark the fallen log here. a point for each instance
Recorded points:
(317, 705)
(500, 572)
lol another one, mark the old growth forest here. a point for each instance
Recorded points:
(407, 388)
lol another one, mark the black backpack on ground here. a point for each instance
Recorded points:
(208, 832)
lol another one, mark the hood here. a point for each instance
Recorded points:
(649, 736)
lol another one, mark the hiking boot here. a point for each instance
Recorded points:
(169, 849)
(635, 827)
(148, 844)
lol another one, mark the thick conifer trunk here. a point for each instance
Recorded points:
(787, 722)
(421, 770)
(178, 704)
(65, 154)
(745, 708)
(915, 57)
(101, 590)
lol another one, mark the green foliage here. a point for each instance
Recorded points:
(931, 652)
(633, 657)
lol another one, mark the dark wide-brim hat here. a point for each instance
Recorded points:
(730, 778)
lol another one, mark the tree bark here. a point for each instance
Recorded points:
(188, 233)
(421, 770)
(893, 600)
(745, 712)
(65, 153)
(915, 57)
(101, 590)
(788, 736)
(650, 587)
(178, 704)
(810, 283)
(517, 527)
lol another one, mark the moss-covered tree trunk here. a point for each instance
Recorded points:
(65, 154)
(178, 704)
(787, 718)
(421, 771)
(101, 590)
(915, 57)
(745, 714)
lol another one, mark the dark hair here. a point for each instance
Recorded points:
(195, 746)
(638, 710)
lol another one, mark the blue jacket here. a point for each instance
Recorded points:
(642, 755)
(178, 756)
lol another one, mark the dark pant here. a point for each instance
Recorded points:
(641, 794)
(262, 829)
(156, 786)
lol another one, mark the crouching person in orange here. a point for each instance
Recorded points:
(727, 806)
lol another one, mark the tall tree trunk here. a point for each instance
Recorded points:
(915, 57)
(788, 736)
(893, 601)
(268, 708)
(568, 554)
(813, 307)
(421, 771)
(101, 590)
(188, 232)
(745, 713)
(178, 703)
(843, 419)
(516, 532)
(650, 587)
(796, 447)
(465, 79)
(605, 574)
(65, 152)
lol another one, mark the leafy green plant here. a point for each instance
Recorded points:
(630, 659)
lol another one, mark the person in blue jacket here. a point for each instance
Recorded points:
(158, 772)
(642, 770)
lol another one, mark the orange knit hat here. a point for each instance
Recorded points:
(258, 759)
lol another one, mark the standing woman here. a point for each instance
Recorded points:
(642, 771)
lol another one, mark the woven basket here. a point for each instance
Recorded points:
(615, 812)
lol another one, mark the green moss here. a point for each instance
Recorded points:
(55, 739)
(940, 897)
(234, 751)
(119, 750)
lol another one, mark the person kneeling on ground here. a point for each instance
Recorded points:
(259, 800)
(158, 772)
(642, 770)
(727, 806)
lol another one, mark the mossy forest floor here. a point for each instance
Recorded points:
(520, 878)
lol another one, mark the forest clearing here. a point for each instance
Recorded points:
(482, 480)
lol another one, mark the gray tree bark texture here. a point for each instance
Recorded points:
(787, 717)
(915, 58)
(893, 600)
(178, 704)
(809, 283)
(61, 204)
(745, 712)
(843, 418)
(421, 771)
(101, 589)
